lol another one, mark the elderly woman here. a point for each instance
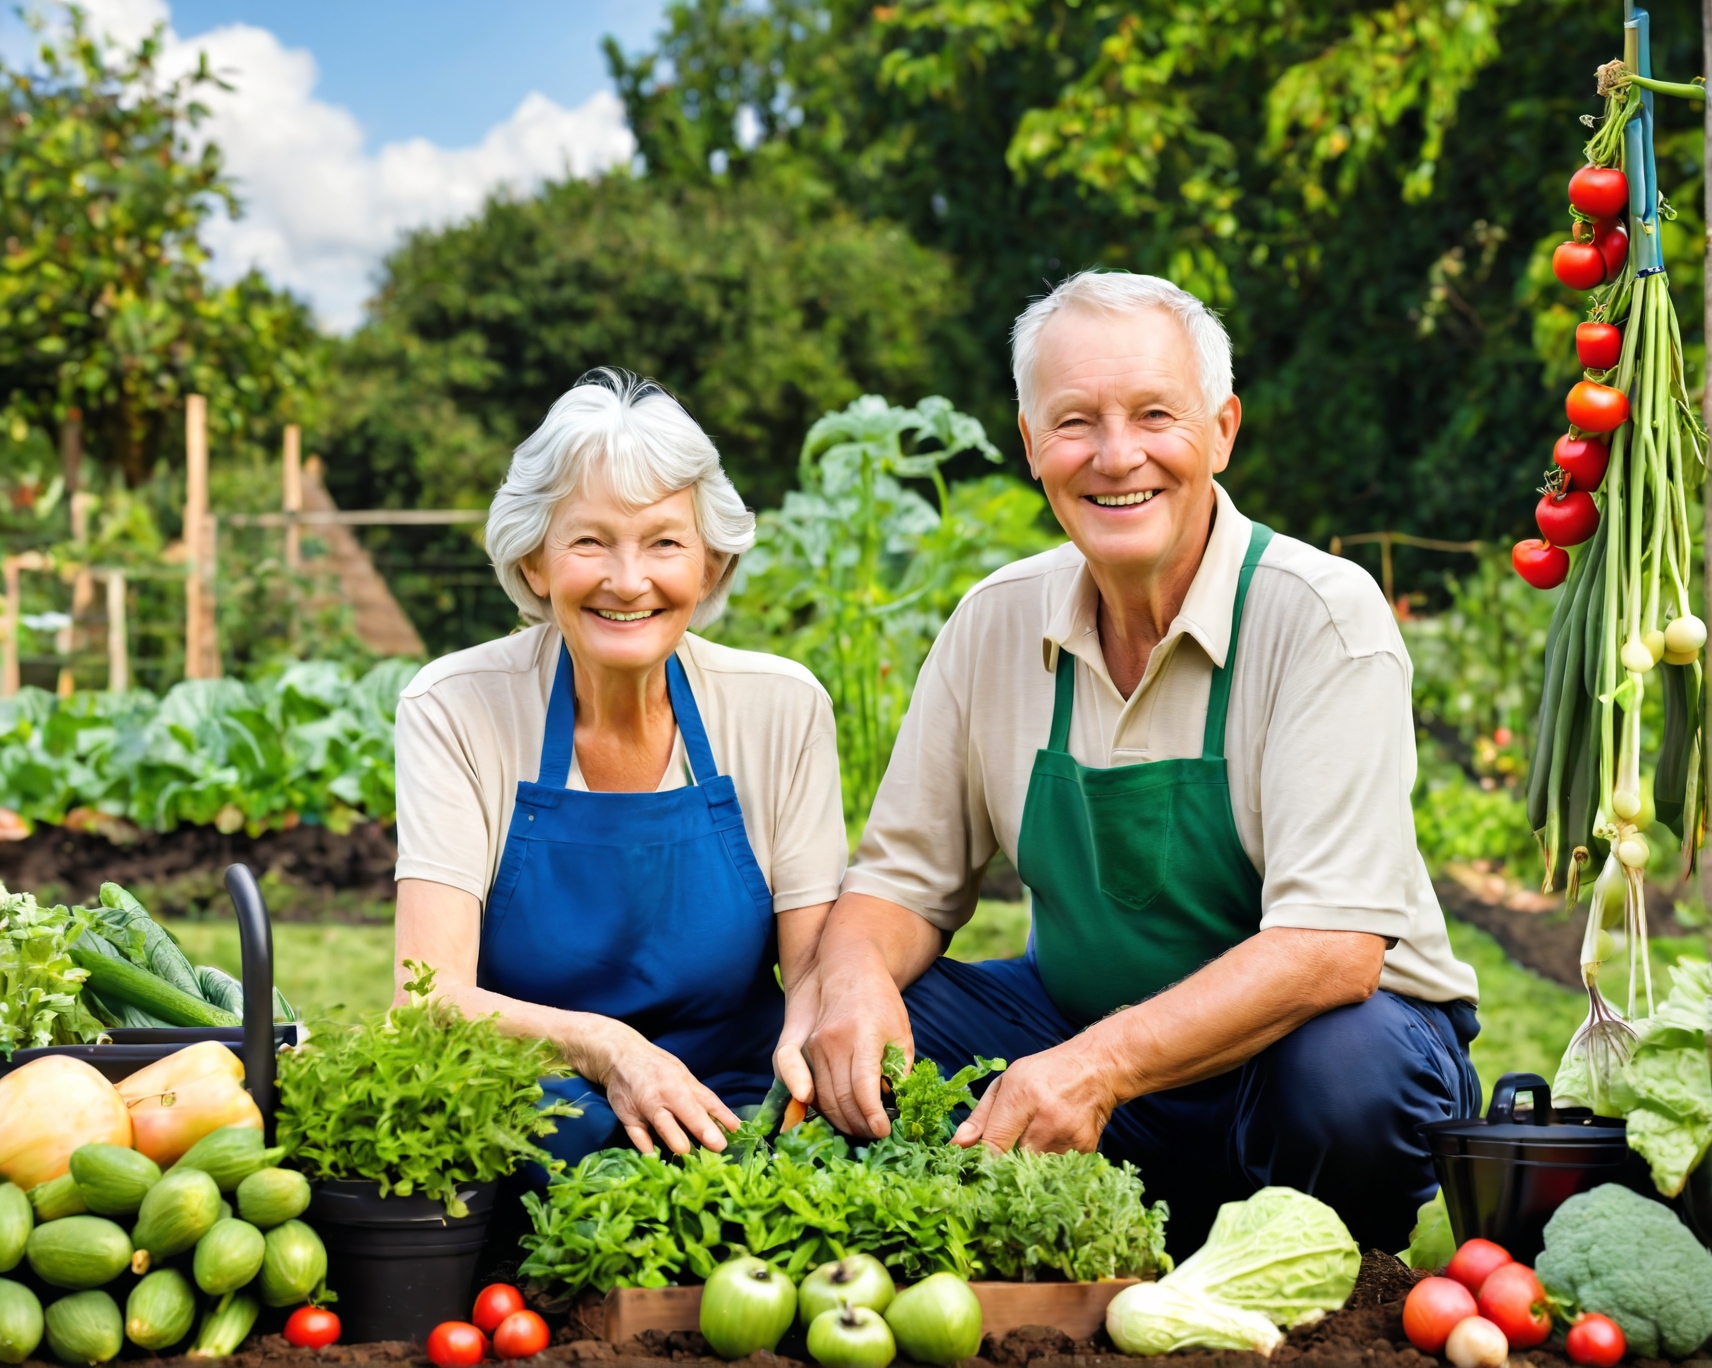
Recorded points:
(610, 830)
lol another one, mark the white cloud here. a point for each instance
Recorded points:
(320, 210)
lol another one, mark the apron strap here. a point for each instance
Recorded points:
(1063, 701)
(558, 742)
(1218, 697)
(690, 726)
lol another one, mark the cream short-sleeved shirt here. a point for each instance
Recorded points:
(1320, 741)
(470, 728)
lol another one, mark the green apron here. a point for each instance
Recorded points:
(1137, 872)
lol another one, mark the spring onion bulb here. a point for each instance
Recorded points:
(1637, 656)
(1625, 803)
(1684, 636)
(1633, 852)
(1654, 642)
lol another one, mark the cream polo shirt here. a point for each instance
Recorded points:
(1320, 741)
(470, 728)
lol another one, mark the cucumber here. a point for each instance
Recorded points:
(120, 980)
(177, 1212)
(225, 1327)
(16, 1221)
(20, 1322)
(78, 1252)
(160, 1310)
(272, 1196)
(85, 1328)
(294, 1265)
(113, 1179)
(228, 1256)
(226, 1212)
(229, 1155)
(57, 1198)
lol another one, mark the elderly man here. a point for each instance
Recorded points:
(1193, 738)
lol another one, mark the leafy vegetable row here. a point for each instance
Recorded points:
(310, 742)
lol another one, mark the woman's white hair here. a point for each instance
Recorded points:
(1124, 292)
(642, 442)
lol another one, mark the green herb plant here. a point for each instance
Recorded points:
(41, 989)
(417, 1099)
(925, 1101)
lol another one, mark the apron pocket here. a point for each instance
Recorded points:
(1132, 842)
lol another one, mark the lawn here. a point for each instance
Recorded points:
(343, 970)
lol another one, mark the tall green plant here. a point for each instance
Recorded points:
(857, 572)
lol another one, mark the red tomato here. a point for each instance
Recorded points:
(493, 1304)
(1599, 191)
(1593, 407)
(1598, 346)
(311, 1327)
(1472, 1264)
(1545, 567)
(522, 1334)
(1596, 1341)
(1579, 265)
(1567, 520)
(1584, 459)
(1612, 241)
(456, 1344)
(1513, 1300)
(1433, 1307)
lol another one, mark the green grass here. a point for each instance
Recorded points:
(324, 969)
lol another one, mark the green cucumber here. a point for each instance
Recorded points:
(160, 1310)
(85, 1327)
(113, 1179)
(229, 1155)
(78, 1252)
(117, 979)
(294, 1264)
(16, 1221)
(228, 1256)
(57, 1198)
(225, 1327)
(272, 1196)
(20, 1322)
(177, 1212)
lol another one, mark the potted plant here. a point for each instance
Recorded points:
(404, 1123)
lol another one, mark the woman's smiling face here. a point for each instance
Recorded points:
(624, 582)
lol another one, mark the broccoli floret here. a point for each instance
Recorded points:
(1628, 1257)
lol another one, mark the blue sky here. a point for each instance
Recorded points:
(351, 123)
(445, 70)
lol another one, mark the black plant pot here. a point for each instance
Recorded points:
(400, 1265)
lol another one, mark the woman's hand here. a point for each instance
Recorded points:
(652, 1092)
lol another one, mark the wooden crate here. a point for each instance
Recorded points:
(1078, 1309)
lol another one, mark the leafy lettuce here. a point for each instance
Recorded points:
(41, 1000)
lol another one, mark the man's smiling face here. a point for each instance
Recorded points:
(1121, 438)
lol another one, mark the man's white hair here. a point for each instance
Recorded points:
(1124, 292)
(639, 439)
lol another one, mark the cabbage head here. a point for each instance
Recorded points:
(1159, 1318)
(1281, 1253)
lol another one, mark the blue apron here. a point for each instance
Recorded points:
(647, 907)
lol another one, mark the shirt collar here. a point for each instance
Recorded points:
(1206, 611)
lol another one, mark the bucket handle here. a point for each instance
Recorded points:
(1502, 1110)
(255, 942)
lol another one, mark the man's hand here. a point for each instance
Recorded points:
(1057, 1100)
(868, 952)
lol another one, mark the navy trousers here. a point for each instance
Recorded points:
(1333, 1109)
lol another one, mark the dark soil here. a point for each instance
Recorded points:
(307, 874)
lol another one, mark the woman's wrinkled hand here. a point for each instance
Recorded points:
(653, 1094)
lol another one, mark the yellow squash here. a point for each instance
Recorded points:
(50, 1107)
(178, 1100)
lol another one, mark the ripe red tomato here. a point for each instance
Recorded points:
(1433, 1307)
(1513, 1300)
(456, 1344)
(1567, 520)
(522, 1334)
(1612, 240)
(1598, 346)
(1597, 1341)
(1473, 1263)
(1584, 459)
(1545, 567)
(1593, 407)
(493, 1304)
(311, 1327)
(1599, 191)
(1579, 265)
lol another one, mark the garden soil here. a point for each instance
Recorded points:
(1367, 1333)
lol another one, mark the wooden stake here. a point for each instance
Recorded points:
(14, 609)
(201, 654)
(293, 502)
(118, 645)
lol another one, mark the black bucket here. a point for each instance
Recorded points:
(400, 1265)
(1504, 1176)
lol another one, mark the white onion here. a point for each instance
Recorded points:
(1477, 1343)
(1685, 635)
(1636, 658)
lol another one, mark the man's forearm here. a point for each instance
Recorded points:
(872, 933)
(1232, 1009)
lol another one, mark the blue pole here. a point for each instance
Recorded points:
(1638, 155)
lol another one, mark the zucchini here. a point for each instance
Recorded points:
(120, 980)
